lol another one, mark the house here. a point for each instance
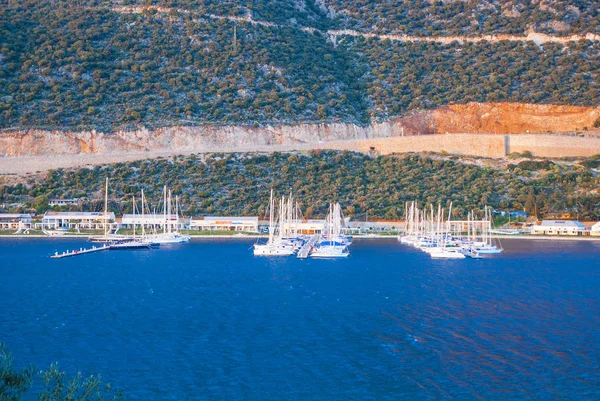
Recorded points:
(64, 202)
(595, 230)
(15, 221)
(66, 220)
(559, 227)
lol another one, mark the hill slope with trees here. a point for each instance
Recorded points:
(239, 184)
(73, 65)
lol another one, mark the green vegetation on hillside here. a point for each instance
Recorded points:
(71, 66)
(468, 17)
(407, 76)
(76, 68)
(239, 184)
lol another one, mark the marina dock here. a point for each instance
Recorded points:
(307, 247)
(80, 251)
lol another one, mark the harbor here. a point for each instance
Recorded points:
(441, 237)
(440, 234)
(286, 239)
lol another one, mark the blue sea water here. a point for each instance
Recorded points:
(209, 321)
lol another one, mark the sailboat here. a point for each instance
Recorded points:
(411, 225)
(467, 244)
(129, 242)
(169, 235)
(442, 250)
(107, 237)
(334, 244)
(276, 245)
(485, 246)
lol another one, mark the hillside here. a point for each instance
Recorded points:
(218, 184)
(113, 66)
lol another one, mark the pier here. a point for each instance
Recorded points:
(80, 251)
(307, 247)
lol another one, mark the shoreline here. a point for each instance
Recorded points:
(249, 236)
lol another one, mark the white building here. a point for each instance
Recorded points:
(559, 227)
(308, 227)
(13, 221)
(64, 202)
(213, 223)
(595, 229)
(154, 220)
(381, 226)
(93, 220)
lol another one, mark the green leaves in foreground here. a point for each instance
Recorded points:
(56, 385)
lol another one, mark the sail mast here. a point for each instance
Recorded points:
(105, 208)
(143, 222)
(165, 208)
(271, 228)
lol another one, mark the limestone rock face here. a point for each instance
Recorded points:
(512, 118)
(470, 118)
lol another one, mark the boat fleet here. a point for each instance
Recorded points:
(149, 237)
(431, 231)
(436, 234)
(286, 240)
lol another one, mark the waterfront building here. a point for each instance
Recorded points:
(559, 227)
(595, 230)
(67, 220)
(374, 227)
(158, 221)
(306, 227)
(13, 221)
(215, 223)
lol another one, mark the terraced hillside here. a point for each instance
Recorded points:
(73, 65)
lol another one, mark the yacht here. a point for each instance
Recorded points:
(276, 245)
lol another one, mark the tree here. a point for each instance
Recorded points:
(40, 204)
(530, 202)
(12, 383)
(56, 386)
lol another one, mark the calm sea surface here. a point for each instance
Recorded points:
(209, 321)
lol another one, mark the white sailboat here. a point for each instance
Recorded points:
(129, 243)
(333, 244)
(442, 250)
(276, 245)
(170, 234)
(108, 236)
(411, 217)
(485, 246)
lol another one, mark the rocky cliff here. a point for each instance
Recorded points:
(512, 118)
(474, 118)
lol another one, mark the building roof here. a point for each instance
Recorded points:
(14, 216)
(227, 218)
(160, 217)
(80, 215)
(563, 223)
(64, 200)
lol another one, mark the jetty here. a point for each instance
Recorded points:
(307, 247)
(80, 251)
